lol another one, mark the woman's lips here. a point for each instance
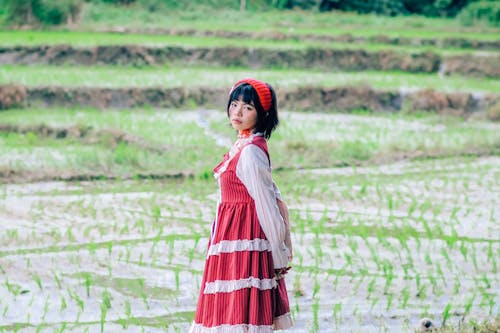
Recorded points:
(236, 121)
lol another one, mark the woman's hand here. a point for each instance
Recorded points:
(281, 271)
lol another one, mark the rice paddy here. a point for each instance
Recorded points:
(105, 214)
(192, 76)
(376, 247)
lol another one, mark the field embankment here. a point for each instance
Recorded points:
(335, 99)
(255, 58)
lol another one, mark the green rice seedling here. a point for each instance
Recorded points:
(74, 296)
(124, 230)
(12, 234)
(374, 302)
(440, 273)
(63, 327)
(474, 258)
(171, 250)
(411, 207)
(487, 283)
(446, 314)
(127, 256)
(105, 306)
(38, 280)
(316, 287)
(87, 282)
(70, 235)
(92, 247)
(57, 279)
(45, 308)
(490, 252)
(156, 212)
(433, 281)
(463, 250)
(128, 308)
(371, 287)
(389, 297)
(390, 203)
(406, 297)
(456, 286)
(63, 304)
(468, 306)
(315, 323)
(5, 310)
(337, 312)
(87, 230)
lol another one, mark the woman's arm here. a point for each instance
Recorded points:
(254, 171)
(286, 218)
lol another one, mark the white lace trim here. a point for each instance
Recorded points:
(227, 286)
(242, 328)
(235, 149)
(226, 246)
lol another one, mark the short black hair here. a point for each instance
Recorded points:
(266, 121)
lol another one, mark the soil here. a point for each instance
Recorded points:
(343, 99)
(324, 59)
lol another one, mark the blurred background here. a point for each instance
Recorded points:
(112, 116)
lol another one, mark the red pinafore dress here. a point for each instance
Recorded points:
(239, 291)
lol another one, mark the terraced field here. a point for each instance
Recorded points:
(105, 212)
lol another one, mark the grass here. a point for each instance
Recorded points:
(337, 140)
(98, 16)
(194, 76)
(91, 39)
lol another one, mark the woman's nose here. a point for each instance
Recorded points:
(237, 109)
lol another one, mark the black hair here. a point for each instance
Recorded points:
(266, 121)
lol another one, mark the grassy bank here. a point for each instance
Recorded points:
(301, 22)
(193, 76)
(172, 142)
(87, 39)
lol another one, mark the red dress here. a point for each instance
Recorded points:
(239, 291)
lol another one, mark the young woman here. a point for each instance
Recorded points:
(243, 289)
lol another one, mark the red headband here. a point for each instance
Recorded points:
(262, 90)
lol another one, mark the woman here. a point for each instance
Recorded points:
(243, 289)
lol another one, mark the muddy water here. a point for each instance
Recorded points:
(68, 249)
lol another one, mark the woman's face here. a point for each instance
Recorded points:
(243, 116)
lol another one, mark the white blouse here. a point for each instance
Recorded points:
(254, 171)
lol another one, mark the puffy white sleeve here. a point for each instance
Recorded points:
(276, 191)
(254, 171)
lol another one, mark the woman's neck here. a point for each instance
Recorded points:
(245, 133)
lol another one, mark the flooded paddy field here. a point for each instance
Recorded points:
(378, 244)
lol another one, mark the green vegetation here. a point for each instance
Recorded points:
(89, 39)
(171, 142)
(99, 16)
(193, 76)
(394, 215)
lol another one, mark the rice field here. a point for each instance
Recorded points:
(193, 76)
(105, 214)
(377, 246)
(90, 39)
